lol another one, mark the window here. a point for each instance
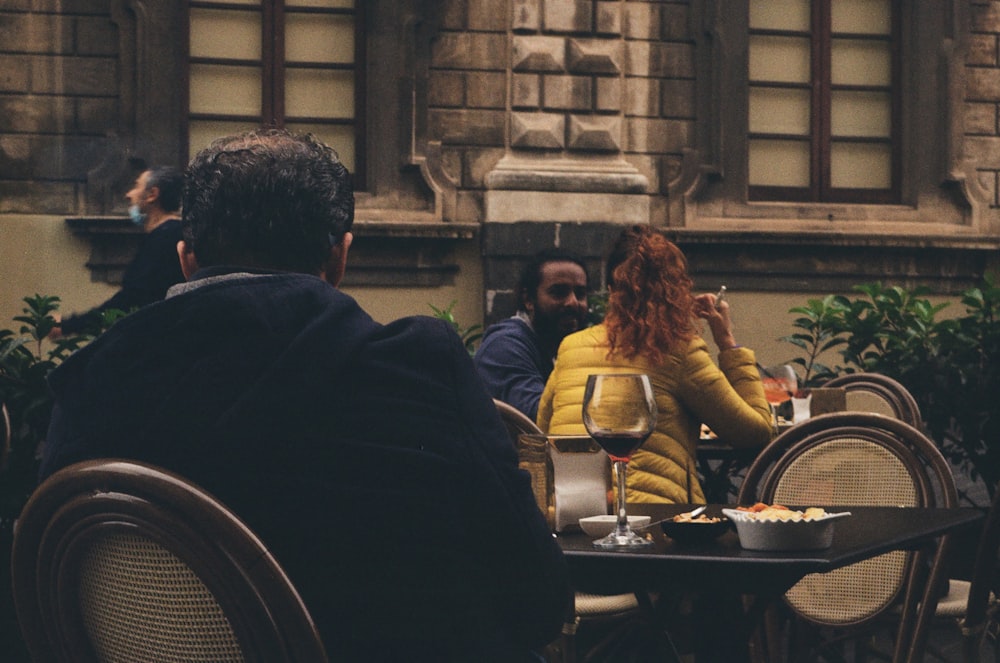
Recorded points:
(296, 64)
(824, 101)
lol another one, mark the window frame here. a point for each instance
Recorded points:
(273, 65)
(820, 138)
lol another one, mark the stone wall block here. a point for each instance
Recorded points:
(982, 84)
(487, 90)
(983, 151)
(488, 15)
(594, 56)
(568, 15)
(982, 50)
(599, 133)
(609, 93)
(15, 71)
(539, 53)
(981, 119)
(453, 13)
(446, 89)
(36, 33)
(641, 20)
(674, 21)
(666, 60)
(527, 16)
(35, 114)
(96, 36)
(472, 51)
(526, 91)
(566, 92)
(90, 76)
(658, 136)
(94, 115)
(37, 197)
(986, 18)
(609, 18)
(537, 130)
(467, 127)
(642, 97)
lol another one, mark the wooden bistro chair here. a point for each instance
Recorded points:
(973, 605)
(584, 607)
(118, 561)
(857, 459)
(874, 392)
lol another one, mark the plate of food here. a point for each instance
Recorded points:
(695, 527)
(777, 527)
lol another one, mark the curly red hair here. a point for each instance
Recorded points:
(650, 305)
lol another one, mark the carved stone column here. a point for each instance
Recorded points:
(565, 123)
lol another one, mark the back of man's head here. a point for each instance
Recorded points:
(170, 182)
(266, 199)
(531, 273)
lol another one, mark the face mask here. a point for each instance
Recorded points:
(138, 218)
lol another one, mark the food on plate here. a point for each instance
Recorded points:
(761, 511)
(700, 518)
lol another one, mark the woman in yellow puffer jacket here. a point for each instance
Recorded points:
(650, 327)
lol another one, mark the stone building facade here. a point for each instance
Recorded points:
(499, 127)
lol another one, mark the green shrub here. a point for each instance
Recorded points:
(949, 365)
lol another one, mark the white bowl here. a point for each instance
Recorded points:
(603, 525)
(815, 534)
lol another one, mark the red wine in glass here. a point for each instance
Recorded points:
(619, 446)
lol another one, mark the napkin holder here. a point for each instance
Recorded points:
(570, 476)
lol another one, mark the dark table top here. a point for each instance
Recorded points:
(722, 563)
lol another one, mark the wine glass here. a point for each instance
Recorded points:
(780, 384)
(619, 412)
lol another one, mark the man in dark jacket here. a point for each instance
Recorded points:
(517, 354)
(154, 206)
(368, 457)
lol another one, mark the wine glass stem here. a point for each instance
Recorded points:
(620, 468)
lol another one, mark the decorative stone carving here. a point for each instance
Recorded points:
(536, 53)
(537, 130)
(594, 56)
(601, 133)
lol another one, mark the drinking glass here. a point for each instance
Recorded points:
(780, 384)
(619, 412)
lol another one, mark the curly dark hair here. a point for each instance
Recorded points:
(266, 199)
(650, 305)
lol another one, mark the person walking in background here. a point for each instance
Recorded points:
(154, 205)
(650, 327)
(368, 458)
(515, 357)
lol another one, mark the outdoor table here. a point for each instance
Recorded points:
(721, 568)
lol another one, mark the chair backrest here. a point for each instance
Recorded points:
(874, 392)
(857, 459)
(118, 561)
(517, 422)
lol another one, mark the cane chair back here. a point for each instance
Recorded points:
(116, 561)
(517, 422)
(874, 392)
(973, 605)
(857, 459)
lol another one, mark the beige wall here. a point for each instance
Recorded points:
(39, 255)
(387, 304)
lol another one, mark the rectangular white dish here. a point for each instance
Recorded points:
(813, 534)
